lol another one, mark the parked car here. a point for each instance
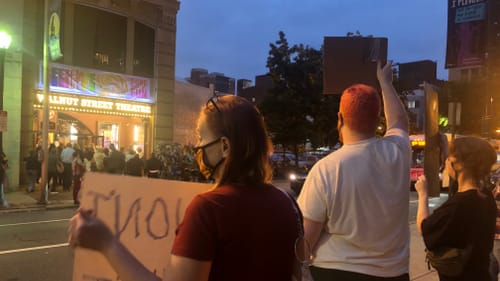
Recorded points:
(307, 160)
(283, 163)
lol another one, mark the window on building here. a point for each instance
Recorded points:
(144, 49)
(100, 39)
(411, 104)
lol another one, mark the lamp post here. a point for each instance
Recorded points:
(5, 40)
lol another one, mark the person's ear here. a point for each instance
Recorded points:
(226, 147)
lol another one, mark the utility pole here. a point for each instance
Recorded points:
(45, 119)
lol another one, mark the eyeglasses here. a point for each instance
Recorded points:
(213, 101)
(196, 148)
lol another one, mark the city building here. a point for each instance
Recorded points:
(477, 58)
(220, 82)
(189, 99)
(242, 84)
(258, 92)
(111, 74)
(416, 105)
(411, 76)
(196, 76)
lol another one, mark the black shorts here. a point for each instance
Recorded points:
(320, 274)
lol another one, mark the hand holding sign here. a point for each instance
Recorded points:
(87, 231)
(132, 214)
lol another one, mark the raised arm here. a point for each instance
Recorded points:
(395, 113)
(423, 202)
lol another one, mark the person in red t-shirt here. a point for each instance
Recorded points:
(243, 229)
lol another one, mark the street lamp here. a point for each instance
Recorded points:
(5, 40)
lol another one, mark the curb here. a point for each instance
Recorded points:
(36, 208)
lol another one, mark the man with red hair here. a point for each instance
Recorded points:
(355, 200)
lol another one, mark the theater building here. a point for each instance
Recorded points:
(90, 107)
(111, 74)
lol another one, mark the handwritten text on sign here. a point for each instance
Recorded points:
(143, 213)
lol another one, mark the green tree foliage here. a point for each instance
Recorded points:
(295, 109)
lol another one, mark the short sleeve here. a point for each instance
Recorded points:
(398, 136)
(312, 199)
(196, 235)
(441, 227)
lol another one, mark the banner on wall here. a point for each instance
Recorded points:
(143, 213)
(54, 30)
(467, 33)
(76, 80)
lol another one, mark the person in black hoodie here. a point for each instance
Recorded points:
(116, 161)
(153, 167)
(32, 168)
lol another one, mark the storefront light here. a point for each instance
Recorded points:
(136, 133)
(73, 131)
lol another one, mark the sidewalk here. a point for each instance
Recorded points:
(21, 201)
(418, 266)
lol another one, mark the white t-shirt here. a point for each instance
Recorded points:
(361, 192)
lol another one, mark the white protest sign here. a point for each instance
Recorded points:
(142, 212)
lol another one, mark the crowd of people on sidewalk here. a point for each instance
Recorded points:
(67, 163)
(350, 221)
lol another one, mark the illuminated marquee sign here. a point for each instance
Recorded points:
(95, 83)
(98, 105)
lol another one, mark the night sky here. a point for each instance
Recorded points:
(232, 36)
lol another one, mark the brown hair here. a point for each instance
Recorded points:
(238, 120)
(476, 155)
(360, 107)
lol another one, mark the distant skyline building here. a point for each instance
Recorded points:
(196, 74)
(242, 84)
(222, 83)
(257, 93)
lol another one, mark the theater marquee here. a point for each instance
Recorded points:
(94, 105)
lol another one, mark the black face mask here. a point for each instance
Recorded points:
(206, 169)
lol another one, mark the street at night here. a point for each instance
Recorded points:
(34, 243)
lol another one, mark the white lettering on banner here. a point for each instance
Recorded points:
(63, 100)
(132, 107)
(96, 104)
(143, 214)
(460, 3)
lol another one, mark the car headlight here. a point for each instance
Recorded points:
(293, 177)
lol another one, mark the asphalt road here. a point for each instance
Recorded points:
(33, 246)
